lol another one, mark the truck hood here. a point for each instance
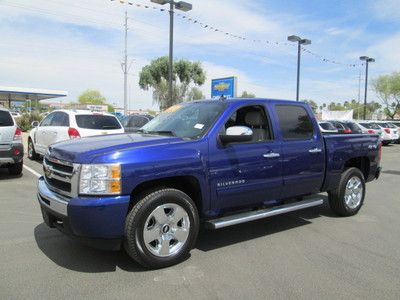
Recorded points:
(86, 149)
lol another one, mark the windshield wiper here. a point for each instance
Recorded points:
(161, 132)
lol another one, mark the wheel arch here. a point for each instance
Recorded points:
(362, 163)
(190, 185)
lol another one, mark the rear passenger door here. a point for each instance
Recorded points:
(247, 173)
(57, 130)
(302, 149)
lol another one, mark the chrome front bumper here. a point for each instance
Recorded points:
(50, 199)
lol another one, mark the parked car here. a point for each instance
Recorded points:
(397, 124)
(327, 128)
(15, 114)
(370, 128)
(355, 129)
(212, 162)
(341, 127)
(133, 122)
(11, 147)
(62, 125)
(390, 132)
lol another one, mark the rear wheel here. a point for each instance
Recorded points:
(348, 198)
(161, 228)
(15, 169)
(31, 151)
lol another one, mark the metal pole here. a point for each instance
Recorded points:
(126, 66)
(365, 93)
(171, 53)
(298, 70)
(359, 94)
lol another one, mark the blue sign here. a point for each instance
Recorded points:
(225, 87)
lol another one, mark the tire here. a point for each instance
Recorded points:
(153, 238)
(15, 169)
(351, 181)
(32, 155)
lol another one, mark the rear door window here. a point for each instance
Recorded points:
(5, 119)
(97, 122)
(294, 122)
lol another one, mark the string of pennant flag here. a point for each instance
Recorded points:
(239, 37)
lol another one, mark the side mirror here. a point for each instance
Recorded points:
(236, 134)
(35, 124)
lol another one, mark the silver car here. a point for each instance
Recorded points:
(327, 128)
(11, 148)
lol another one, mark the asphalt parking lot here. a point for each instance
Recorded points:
(303, 255)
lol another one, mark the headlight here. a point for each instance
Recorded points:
(100, 180)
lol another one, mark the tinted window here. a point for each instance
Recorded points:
(5, 119)
(327, 126)
(97, 122)
(354, 128)
(60, 119)
(294, 122)
(134, 121)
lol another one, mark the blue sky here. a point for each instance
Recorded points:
(75, 45)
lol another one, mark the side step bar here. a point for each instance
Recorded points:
(261, 214)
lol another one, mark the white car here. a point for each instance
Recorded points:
(390, 132)
(370, 128)
(62, 125)
(11, 148)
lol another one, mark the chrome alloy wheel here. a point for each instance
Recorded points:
(166, 230)
(354, 192)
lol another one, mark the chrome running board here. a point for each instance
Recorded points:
(261, 214)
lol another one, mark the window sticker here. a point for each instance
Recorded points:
(199, 126)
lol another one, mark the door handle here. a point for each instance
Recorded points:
(271, 155)
(315, 150)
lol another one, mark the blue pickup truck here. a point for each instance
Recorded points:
(211, 163)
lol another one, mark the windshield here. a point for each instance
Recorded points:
(191, 120)
(97, 122)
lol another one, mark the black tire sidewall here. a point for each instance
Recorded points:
(33, 156)
(352, 172)
(152, 201)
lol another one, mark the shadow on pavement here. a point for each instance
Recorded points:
(72, 255)
(213, 239)
(5, 176)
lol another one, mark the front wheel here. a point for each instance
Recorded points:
(348, 198)
(31, 151)
(161, 228)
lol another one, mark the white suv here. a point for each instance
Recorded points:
(62, 125)
(11, 148)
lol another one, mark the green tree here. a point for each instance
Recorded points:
(313, 104)
(93, 97)
(387, 88)
(195, 94)
(185, 75)
(246, 94)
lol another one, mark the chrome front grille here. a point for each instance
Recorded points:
(61, 176)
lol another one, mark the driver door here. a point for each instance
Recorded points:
(247, 173)
(42, 133)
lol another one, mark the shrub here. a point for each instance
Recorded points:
(24, 122)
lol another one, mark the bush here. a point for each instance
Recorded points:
(24, 122)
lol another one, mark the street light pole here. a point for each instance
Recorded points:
(171, 50)
(126, 66)
(299, 41)
(183, 6)
(367, 61)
